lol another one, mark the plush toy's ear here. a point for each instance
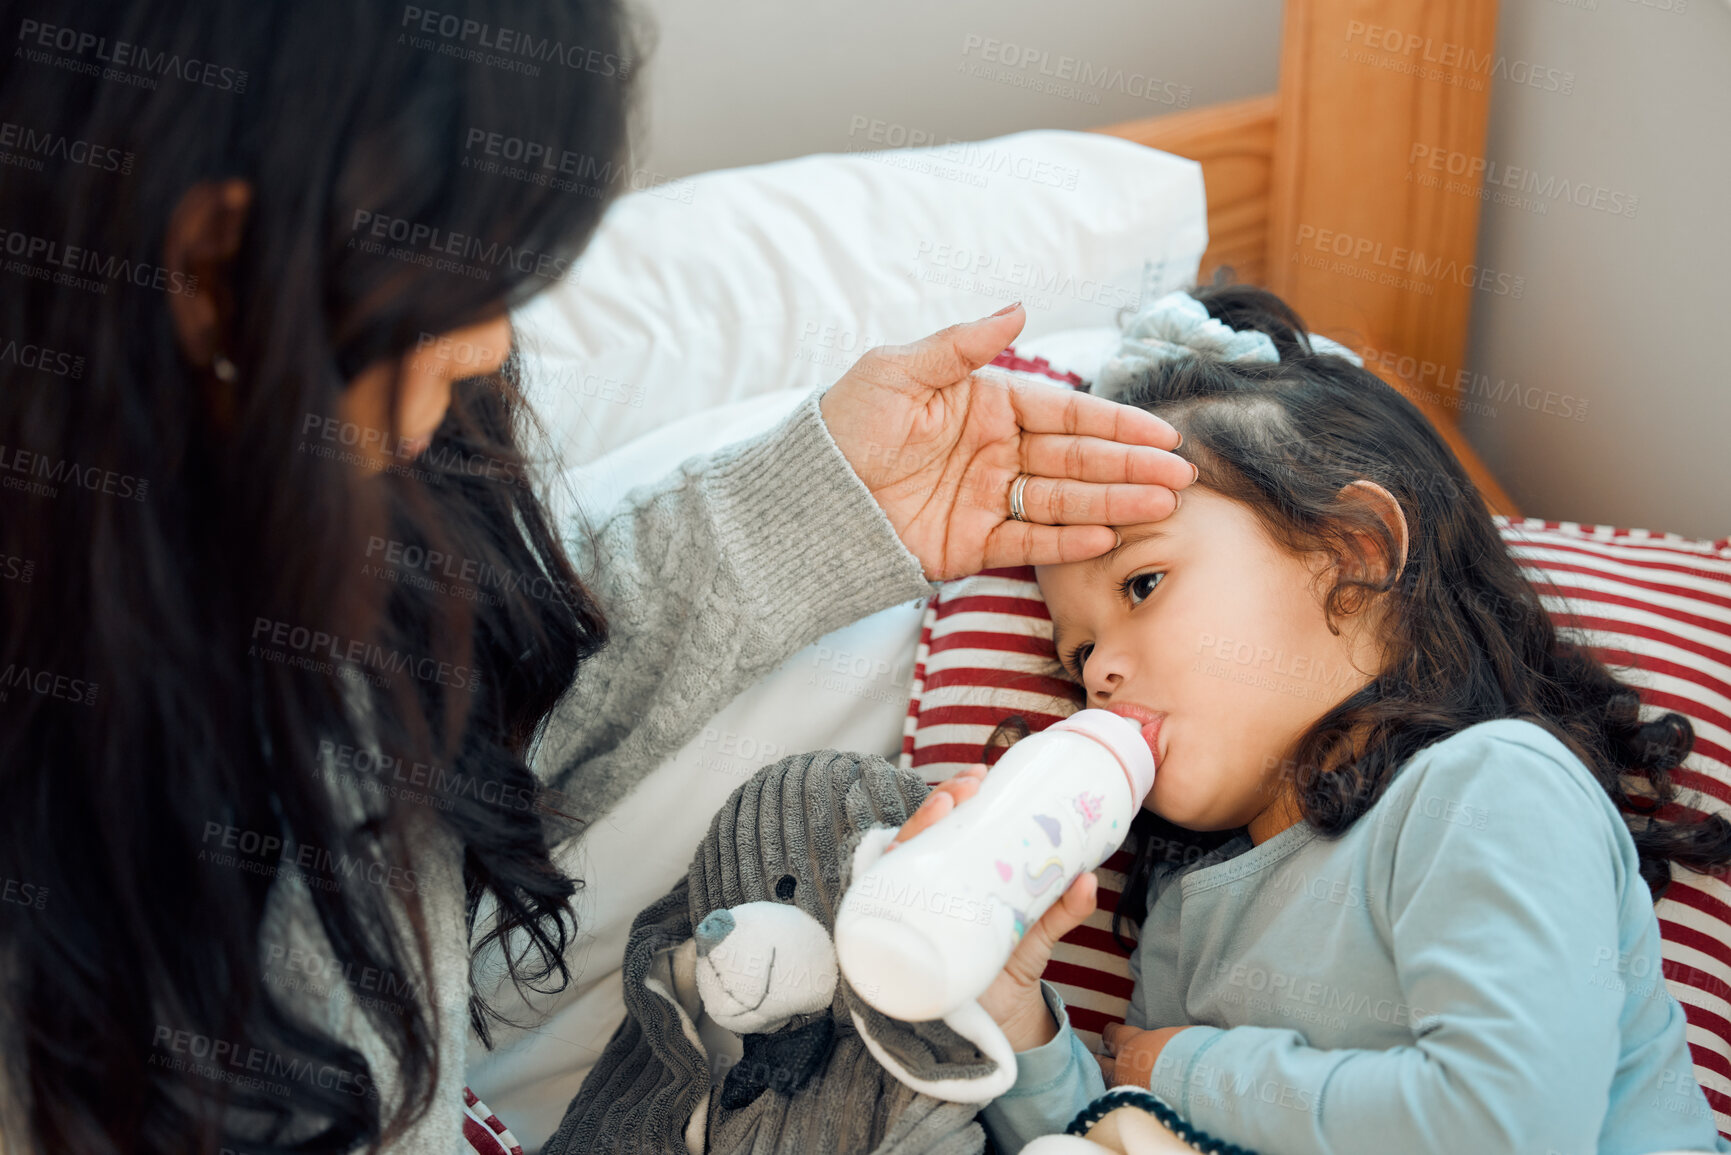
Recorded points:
(917, 1054)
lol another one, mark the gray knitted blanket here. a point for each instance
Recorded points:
(739, 1034)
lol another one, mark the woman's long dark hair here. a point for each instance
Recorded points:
(1467, 637)
(229, 660)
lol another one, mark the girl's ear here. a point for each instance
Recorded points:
(1381, 504)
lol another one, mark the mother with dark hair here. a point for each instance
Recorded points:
(218, 396)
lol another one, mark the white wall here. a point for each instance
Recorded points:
(1624, 312)
(1629, 313)
(754, 80)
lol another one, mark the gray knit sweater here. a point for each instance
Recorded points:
(709, 579)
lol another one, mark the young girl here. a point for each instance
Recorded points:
(1397, 871)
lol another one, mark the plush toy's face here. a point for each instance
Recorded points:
(735, 969)
(761, 964)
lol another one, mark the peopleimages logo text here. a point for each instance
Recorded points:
(125, 54)
(510, 42)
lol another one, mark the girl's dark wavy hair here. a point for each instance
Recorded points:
(1467, 635)
(167, 736)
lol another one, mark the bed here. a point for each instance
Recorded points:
(1323, 191)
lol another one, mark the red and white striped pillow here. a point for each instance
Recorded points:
(985, 653)
(484, 1132)
(1656, 606)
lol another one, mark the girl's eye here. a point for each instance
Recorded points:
(1076, 658)
(1137, 587)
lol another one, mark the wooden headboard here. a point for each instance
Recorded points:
(1325, 191)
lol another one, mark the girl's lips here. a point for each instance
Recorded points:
(1148, 720)
(1150, 732)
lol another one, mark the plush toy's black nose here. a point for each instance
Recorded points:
(717, 926)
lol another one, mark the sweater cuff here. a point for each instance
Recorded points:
(1043, 1066)
(815, 543)
(1174, 1070)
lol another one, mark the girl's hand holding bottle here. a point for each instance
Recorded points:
(1013, 1000)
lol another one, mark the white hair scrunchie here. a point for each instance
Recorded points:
(1178, 325)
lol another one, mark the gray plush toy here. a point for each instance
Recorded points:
(740, 1034)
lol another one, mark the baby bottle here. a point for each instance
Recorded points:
(922, 932)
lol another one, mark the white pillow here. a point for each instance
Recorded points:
(748, 281)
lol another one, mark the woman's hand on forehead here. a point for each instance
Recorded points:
(941, 442)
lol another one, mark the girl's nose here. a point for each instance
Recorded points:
(1103, 684)
(1108, 662)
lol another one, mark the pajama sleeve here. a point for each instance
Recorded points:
(1054, 1081)
(1057, 1080)
(1499, 896)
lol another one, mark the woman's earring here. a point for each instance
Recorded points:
(224, 369)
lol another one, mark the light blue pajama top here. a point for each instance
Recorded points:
(1472, 967)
